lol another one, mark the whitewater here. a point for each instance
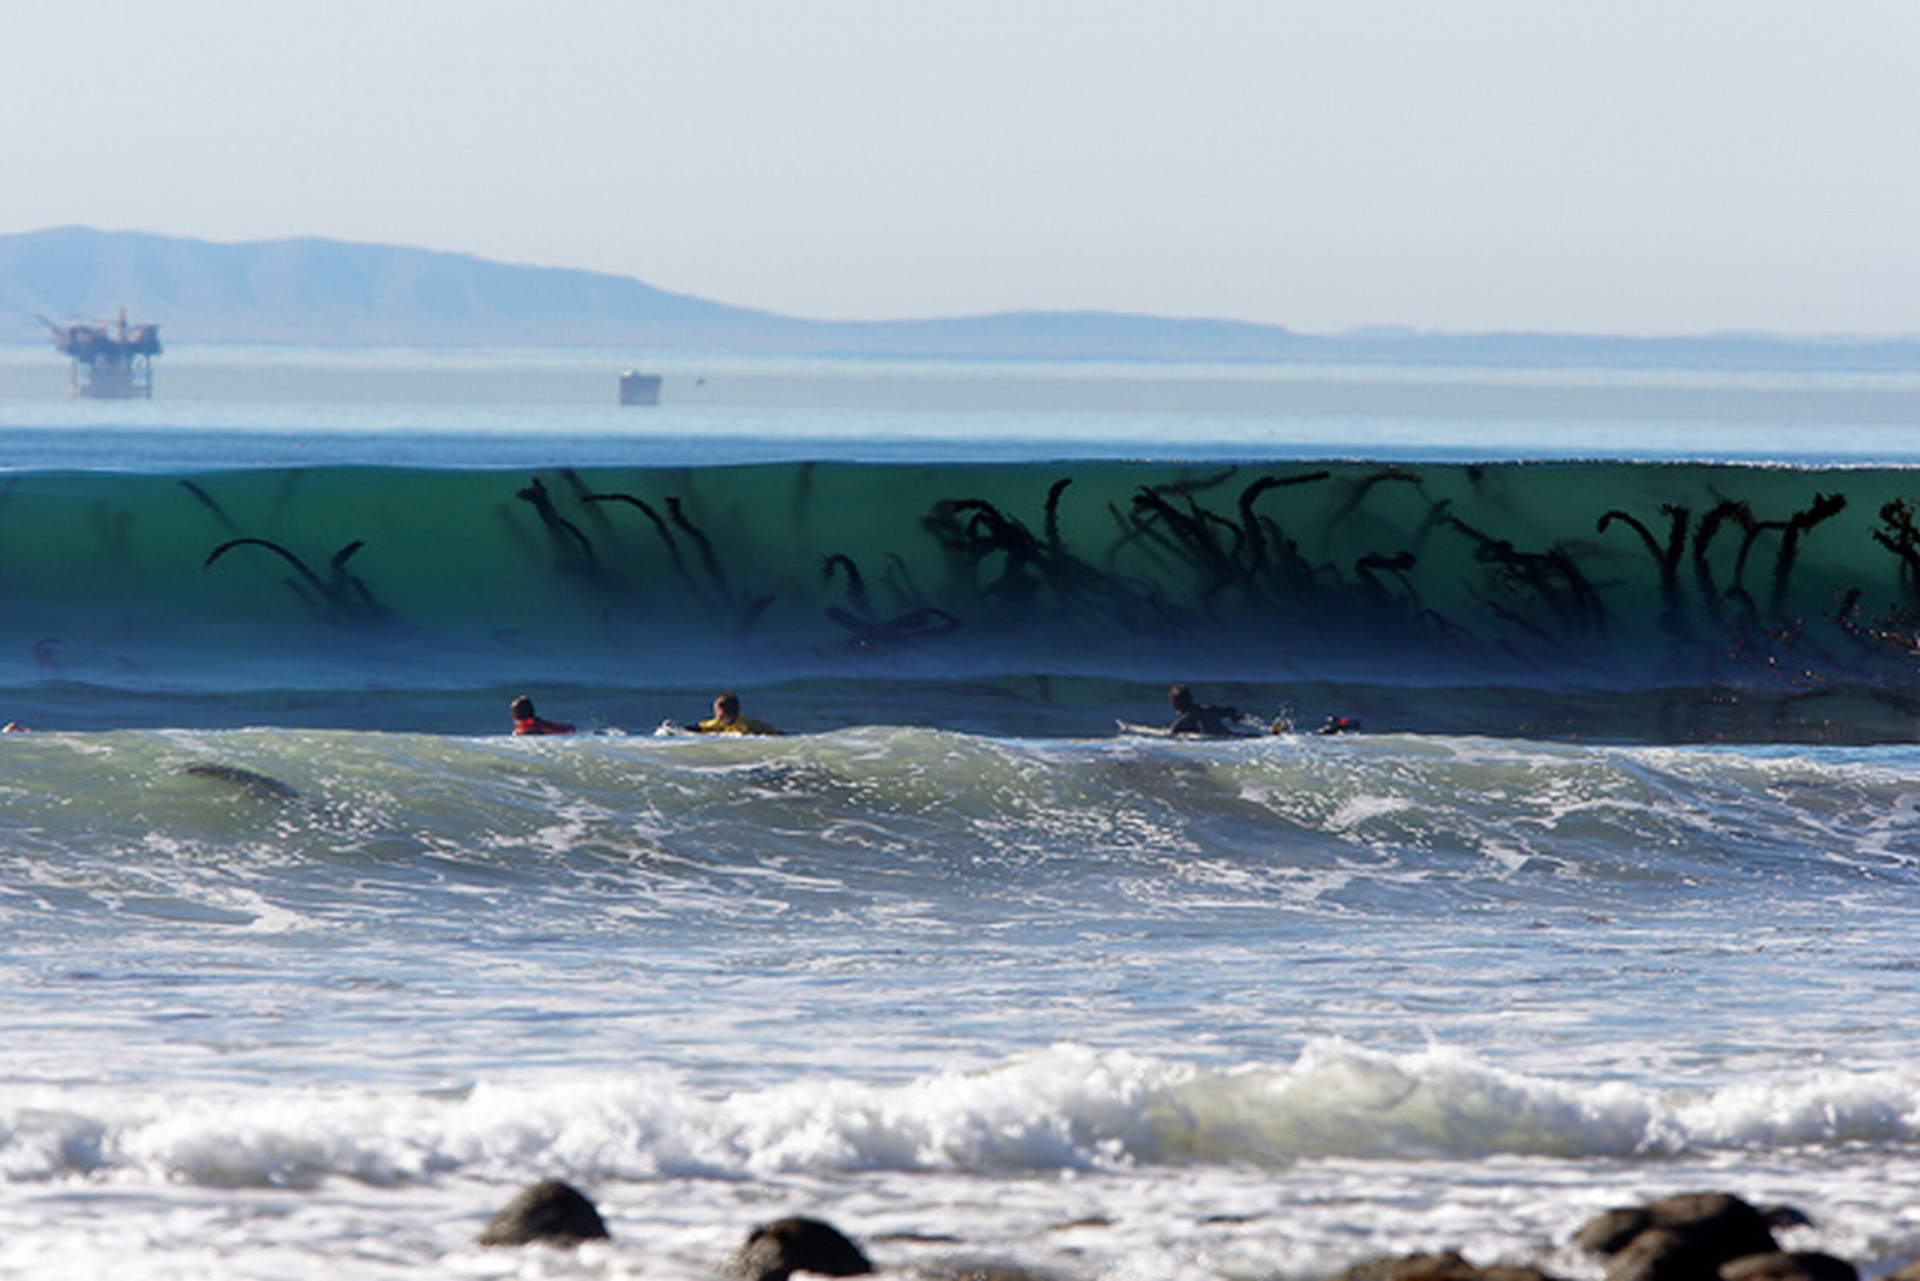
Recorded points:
(310, 966)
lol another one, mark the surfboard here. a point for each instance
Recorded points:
(1247, 727)
(260, 784)
(1244, 728)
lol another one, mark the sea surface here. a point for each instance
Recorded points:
(309, 965)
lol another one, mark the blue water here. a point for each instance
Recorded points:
(1614, 901)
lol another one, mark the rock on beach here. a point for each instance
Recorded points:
(774, 1251)
(550, 1212)
(1694, 1236)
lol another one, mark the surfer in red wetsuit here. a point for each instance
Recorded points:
(525, 722)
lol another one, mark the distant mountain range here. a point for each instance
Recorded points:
(328, 292)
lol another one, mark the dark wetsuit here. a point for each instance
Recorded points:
(1205, 718)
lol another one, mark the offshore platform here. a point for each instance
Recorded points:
(637, 388)
(109, 361)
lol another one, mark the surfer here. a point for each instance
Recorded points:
(526, 722)
(1199, 718)
(726, 719)
(15, 727)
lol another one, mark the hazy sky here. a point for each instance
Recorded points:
(1623, 166)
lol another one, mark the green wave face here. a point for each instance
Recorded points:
(1569, 573)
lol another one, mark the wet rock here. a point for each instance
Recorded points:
(1444, 1266)
(1712, 1228)
(550, 1212)
(982, 1272)
(1799, 1265)
(774, 1251)
(1612, 1231)
(1663, 1254)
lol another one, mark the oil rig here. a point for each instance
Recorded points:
(637, 388)
(110, 361)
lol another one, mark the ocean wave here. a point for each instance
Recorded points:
(344, 580)
(1066, 1108)
(282, 830)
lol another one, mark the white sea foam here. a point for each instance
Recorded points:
(1066, 1109)
(1142, 1009)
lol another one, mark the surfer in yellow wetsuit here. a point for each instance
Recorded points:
(727, 719)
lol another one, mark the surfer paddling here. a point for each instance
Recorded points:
(726, 719)
(1213, 720)
(525, 721)
(1190, 717)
